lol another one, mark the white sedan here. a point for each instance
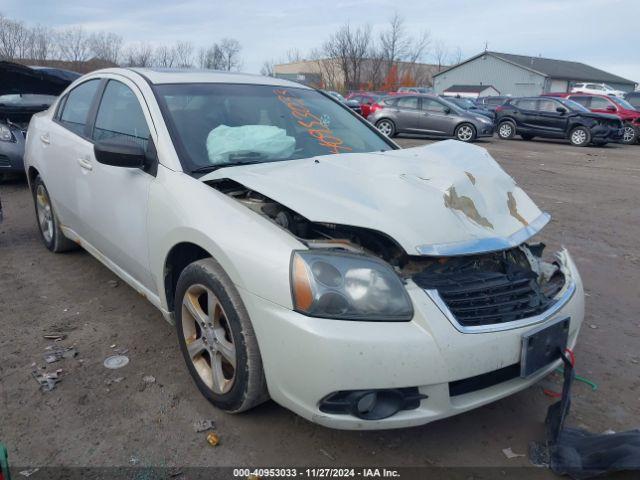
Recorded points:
(302, 256)
(597, 88)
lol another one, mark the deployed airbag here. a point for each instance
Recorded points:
(265, 142)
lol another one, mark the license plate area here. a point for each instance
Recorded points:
(542, 346)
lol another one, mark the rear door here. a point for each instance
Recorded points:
(525, 114)
(435, 119)
(114, 199)
(408, 115)
(63, 144)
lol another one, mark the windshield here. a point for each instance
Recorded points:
(27, 100)
(463, 102)
(573, 105)
(337, 96)
(214, 124)
(623, 103)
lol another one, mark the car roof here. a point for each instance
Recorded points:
(160, 76)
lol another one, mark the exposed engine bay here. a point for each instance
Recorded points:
(479, 289)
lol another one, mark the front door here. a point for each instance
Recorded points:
(114, 199)
(437, 118)
(549, 120)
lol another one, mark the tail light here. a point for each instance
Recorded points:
(374, 107)
(499, 108)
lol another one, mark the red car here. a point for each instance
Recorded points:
(368, 101)
(607, 104)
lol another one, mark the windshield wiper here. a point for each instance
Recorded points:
(248, 158)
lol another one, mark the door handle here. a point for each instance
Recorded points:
(85, 163)
(44, 138)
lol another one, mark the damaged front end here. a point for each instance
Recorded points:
(490, 291)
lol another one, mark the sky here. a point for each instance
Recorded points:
(602, 33)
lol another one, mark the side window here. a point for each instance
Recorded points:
(120, 116)
(547, 106)
(76, 106)
(408, 102)
(584, 101)
(598, 103)
(432, 106)
(526, 104)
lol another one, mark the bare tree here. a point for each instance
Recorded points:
(456, 56)
(14, 39)
(267, 68)
(41, 43)
(440, 53)
(106, 46)
(164, 56)
(398, 46)
(139, 55)
(349, 48)
(184, 54)
(231, 48)
(211, 57)
(293, 55)
(73, 44)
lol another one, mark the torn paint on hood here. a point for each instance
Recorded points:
(447, 198)
(20, 79)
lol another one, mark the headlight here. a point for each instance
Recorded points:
(348, 287)
(6, 135)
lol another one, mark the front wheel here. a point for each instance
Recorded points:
(217, 339)
(506, 130)
(386, 127)
(580, 136)
(630, 134)
(48, 224)
(465, 132)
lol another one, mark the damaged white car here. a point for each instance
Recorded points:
(302, 256)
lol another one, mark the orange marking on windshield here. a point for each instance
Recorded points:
(314, 126)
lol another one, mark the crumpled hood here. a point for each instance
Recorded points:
(448, 198)
(17, 79)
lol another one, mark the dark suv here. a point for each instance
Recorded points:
(556, 118)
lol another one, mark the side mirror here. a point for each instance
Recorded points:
(561, 110)
(611, 108)
(120, 153)
(447, 110)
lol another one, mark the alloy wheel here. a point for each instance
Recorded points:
(506, 130)
(385, 128)
(629, 134)
(465, 133)
(45, 215)
(209, 338)
(579, 136)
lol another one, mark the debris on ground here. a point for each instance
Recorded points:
(116, 361)
(203, 425)
(54, 336)
(46, 380)
(147, 381)
(509, 453)
(113, 283)
(327, 454)
(213, 439)
(110, 381)
(28, 472)
(53, 353)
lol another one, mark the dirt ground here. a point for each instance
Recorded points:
(90, 419)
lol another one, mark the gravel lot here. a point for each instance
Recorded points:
(593, 195)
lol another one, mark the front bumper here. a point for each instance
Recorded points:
(485, 130)
(305, 358)
(12, 153)
(605, 133)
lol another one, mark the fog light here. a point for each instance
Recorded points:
(372, 404)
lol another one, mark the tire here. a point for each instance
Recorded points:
(630, 134)
(580, 137)
(526, 136)
(386, 127)
(465, 132)
(506, 130)
(236, 382)
(48, 224)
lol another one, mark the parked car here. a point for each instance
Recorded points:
(470, 106)
(491, 103)
(293, 246)
(352, 104)
(614, 105)
(431, 115)
(550, 117)
(23, 92)
(597, 88)
(369, 102)
(634, 99)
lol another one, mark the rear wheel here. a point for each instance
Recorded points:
(630, 134)
(526, 136)
(386, 127)
(465, 132)
(50, 231)
(506, 130)
(217, 339)
(580, 136)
